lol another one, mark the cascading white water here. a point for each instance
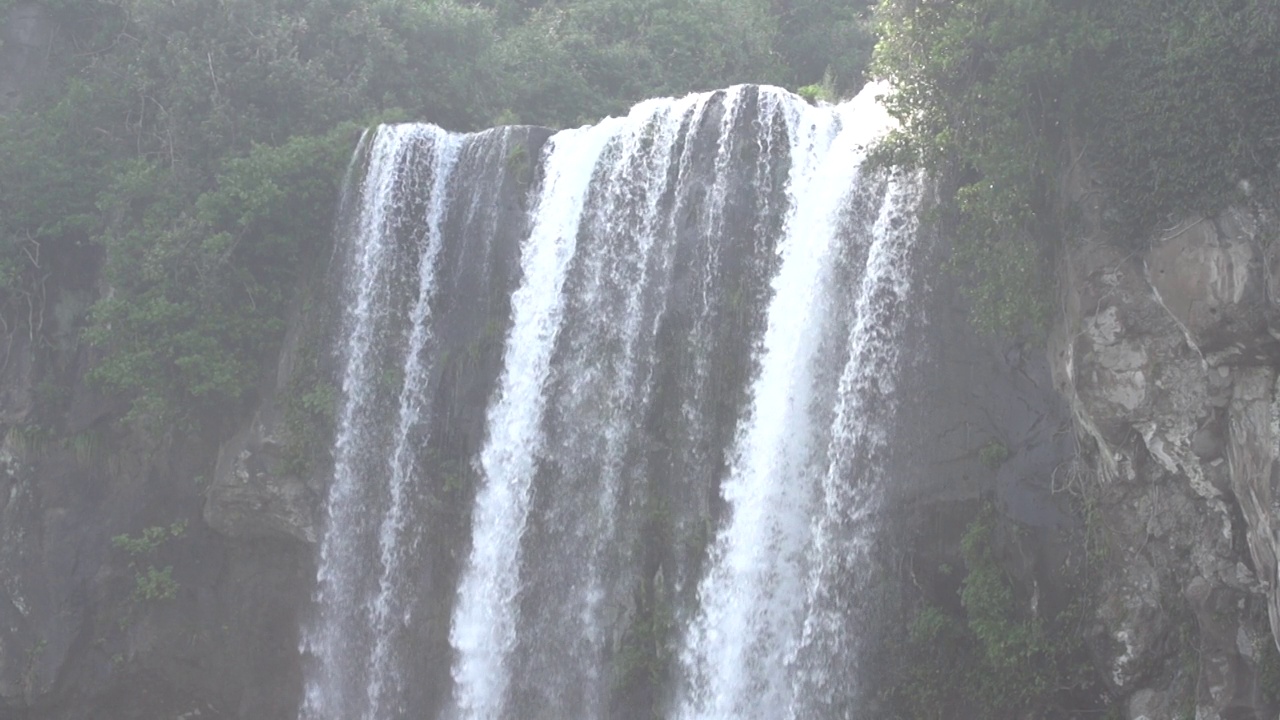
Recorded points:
(368, 592)
(683, 441)
(339, 687)
(738, 652)
(613, 300)
(823, 667)
(647, 202)
(389, 611)
(484, 625)
(748, 597)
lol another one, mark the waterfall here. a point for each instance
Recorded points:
(353, 599)
(484, 627)
(857, 452)
(418, 187)
(738, 653)
(642, 480)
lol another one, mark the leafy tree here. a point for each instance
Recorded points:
(985, 92)
(200, 144)
(1186, 105)
(820, 39)
(196, 146)
(996, 655)
(575, 62)
(1172, 101)
(197, 302)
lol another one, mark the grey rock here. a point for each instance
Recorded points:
(254, 493)
(1149, 704)
(1254, 436)
(253, 497)
(1166, 360)
(1208, 273)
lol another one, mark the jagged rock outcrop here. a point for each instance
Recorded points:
(1167, 358)
(256, 491)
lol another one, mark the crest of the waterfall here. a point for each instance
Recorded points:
(738, 657)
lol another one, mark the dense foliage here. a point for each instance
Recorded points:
(1172, 102)
(996, 655)
(197, 146)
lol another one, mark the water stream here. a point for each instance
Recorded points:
(685, 433)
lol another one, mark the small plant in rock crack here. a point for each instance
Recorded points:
(150, 583)
(993, 454)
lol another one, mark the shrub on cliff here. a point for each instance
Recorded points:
(1173, 102)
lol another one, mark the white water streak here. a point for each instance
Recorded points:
(753, 597)
(337, 595)
(483, 632)
(653, 128)
(385, 679)
(713, 223)
(843, 528)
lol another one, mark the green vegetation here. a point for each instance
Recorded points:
(200, 144)
(1020, 663)
(519, 164)
(824, 91)
(27, 442)
(150, 583)
(197, 303)
(644, 658)
(310, 402)
(1171, 103)
(155, 584)
(32, 441)
(197, 146)
(984, 90)
(1268, 669)
(995, 655)
(993, 454)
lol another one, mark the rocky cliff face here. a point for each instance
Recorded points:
(144, 578)
(1167, 356)
(117, 600)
